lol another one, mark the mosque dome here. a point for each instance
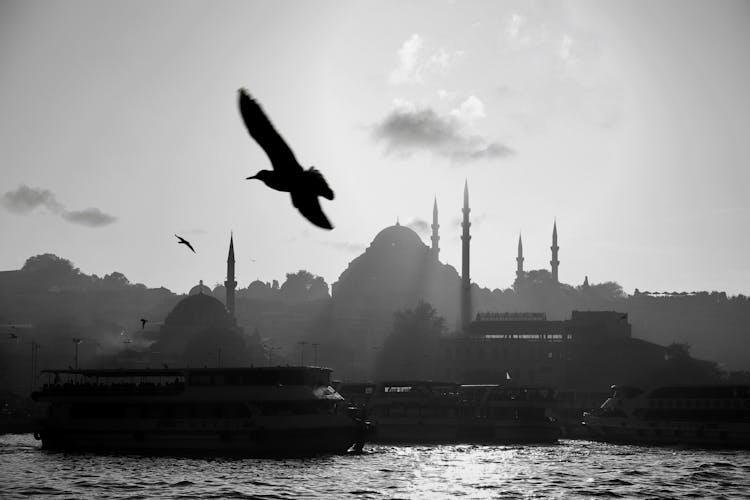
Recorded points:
(199, 310)
(200, 288)
(397, 236)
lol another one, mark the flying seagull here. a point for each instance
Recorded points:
(287, 175)
(183, 241)
(143, 323)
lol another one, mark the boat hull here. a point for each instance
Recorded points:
(479, 431)
(249, 442)
(630, 431)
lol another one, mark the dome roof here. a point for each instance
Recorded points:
(199, 310)
(398, 236)
(199, 288)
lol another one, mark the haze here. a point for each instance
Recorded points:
(627, 122)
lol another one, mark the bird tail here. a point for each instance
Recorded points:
(318, 183)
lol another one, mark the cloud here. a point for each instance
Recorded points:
(91, 217)
(25, 200)
(345, 246)
(408, 55)
(471, 109)
(407, 129)
(476, 220)
(420, 226)
(413, 66)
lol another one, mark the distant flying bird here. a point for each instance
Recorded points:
(143, 323)
(183, 241)
(287, 175)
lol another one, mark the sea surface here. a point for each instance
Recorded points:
(571, 469)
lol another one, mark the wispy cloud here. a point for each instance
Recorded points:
(345, 246)
(407, 129)
(24, 200)
(420, 226)
(91, 217)
(414, 62)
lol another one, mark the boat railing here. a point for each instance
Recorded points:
(70, 388)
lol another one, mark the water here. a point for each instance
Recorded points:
(571, 469)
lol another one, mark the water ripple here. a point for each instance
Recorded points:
(570, 469)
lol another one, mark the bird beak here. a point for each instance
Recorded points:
(251, 177)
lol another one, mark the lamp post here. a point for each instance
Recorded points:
(76, 341)
(301, 344)
(315, 353)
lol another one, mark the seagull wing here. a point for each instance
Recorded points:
(185, 242)
(261, 129)
(307, 204)
(318, 183)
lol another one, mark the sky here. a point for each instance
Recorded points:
(626, 122)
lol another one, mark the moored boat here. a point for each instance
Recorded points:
(703, 415)
(444, 412)
(248, 411)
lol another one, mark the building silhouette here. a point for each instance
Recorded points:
(519, 260)
(230, 283)
(435, 249)
(465, 254)
(201, 330)
(554, 263)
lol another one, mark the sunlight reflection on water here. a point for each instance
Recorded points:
(570, 469)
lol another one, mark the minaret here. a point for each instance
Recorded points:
(230, 284)
(435, 226)
(465, 280)
(519, 260)
(554, 262)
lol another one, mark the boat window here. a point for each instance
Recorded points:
(397, 388)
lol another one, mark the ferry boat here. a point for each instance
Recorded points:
(710, 415)
(249, 411)
(444, 412)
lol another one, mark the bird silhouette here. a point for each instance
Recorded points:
(13, 335)
(143, 323)
(287, 175)
(183, 241)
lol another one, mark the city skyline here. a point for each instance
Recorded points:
(121, 121)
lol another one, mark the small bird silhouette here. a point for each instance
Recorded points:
(143, 323)
(13, 335)
(183, 241)
(287, 175)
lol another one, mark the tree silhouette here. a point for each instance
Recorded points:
(409, 351)
(303, 285)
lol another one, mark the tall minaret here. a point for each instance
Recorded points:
(519, 260)
(230, 284)
(435, 226)
(554, 262)
(465, 280)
